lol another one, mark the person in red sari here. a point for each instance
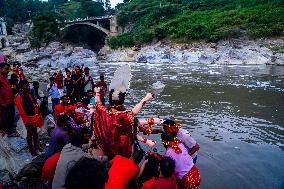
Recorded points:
(29, 111)
(114, 128)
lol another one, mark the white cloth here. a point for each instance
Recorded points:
(187, 140)
(89, 84)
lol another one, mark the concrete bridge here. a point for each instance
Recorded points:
(95, 22)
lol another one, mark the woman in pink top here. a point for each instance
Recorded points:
(186, 172)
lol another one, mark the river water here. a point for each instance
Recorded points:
(235, 113)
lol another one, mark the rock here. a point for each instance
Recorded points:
(142, 59)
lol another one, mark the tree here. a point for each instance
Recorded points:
(45, 27)
(107, 5)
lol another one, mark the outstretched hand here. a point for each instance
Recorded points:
(149, 96)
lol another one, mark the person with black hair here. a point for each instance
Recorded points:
(14, 80)
(34, 90)
(167, 178)
(7, 106)
(173, 126)
(70, 154)
(103, 88)
(29, 111)
(87, 173)
(186, 171)
(123, 170)
(53, 92)
(63, 107)
(43, 108)
(116, 128)
(59, 136)
(78, 83)
(68, 83)
(149, 170)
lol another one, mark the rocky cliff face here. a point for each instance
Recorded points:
(234, 51)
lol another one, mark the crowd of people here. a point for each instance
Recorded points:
(95, 144)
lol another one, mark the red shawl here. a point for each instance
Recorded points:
(114, 131)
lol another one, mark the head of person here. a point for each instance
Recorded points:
(79, 104)
(167, 138)
(5, 68)
(52, 80)
(117, 98)
(102, 78)
(152, 166)
(87, 71)
(36, 84)
(89, 93)
(54, 74)
(14, 77)
(62, 120)
(76, 138)
(137, 156)
(45, 99)
(171, 125)
(167, 167)
(65, 100)
(87, 173)
(68, 73)
(60, 72)
(77, 70)
(24, 86)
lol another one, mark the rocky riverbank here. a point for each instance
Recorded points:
(233, 52)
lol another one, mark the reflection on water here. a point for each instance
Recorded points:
(235, 112)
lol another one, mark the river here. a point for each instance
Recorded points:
(236, 114)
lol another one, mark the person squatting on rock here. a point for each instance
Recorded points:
(29, 111)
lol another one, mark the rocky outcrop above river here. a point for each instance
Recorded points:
(234, 52)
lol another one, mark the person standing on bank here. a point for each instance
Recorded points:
(88, 83)
(29, 111)
(53, 92)
(7, 102)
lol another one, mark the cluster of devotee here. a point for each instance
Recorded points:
(95, 144)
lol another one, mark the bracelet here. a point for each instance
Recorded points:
(150, 121)
(145, 140)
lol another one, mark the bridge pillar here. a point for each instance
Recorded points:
(113, 26)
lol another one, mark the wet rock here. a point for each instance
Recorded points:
(142, 59)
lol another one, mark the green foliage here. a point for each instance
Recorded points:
(45, 28)
(124, 40)
(212, 20)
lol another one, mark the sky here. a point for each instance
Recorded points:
(114, 2)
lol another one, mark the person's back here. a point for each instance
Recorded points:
(167, 178)
(48, 169)
(123, 170)
(70, 154)
(87, 173)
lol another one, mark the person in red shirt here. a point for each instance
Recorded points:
(123, 170)
(7, 106)
(63, 107)
(49, 167)
(29, 111)
(167, 178)
(103, 88)
(59, 81)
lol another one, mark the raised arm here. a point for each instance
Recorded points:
(140, 105)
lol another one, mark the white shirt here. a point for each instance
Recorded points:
(187, 140)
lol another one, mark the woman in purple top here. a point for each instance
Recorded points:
(186, 172)
(59, 137)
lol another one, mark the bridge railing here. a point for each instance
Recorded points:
(85, 19)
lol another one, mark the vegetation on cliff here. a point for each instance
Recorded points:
(186, 20)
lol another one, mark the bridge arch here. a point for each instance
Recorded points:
(107, 32)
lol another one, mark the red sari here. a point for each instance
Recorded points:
(114, 131)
